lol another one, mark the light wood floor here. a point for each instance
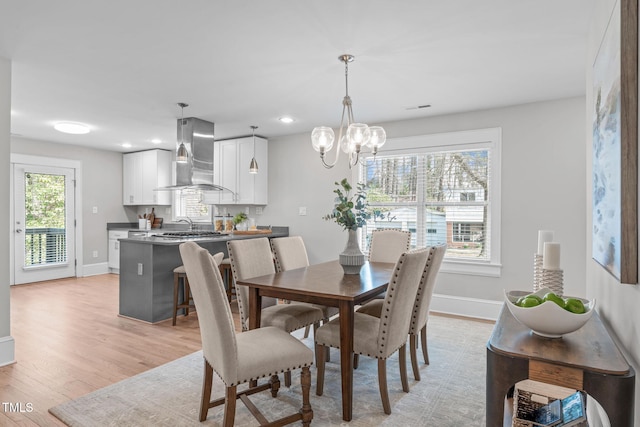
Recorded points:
(70, 341)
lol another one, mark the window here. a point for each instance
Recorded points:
(443, 188)
(187, 203)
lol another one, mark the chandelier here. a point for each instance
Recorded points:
(356, 136)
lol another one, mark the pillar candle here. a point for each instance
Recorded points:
(551, 256)
(544, 236)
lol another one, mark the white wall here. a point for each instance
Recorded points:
(543, 187)
(617, 303)
(7, 351)
(101, 188)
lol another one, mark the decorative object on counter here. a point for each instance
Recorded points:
(182, 155)
(228, 223)
(253, 167)
(543, 237)
(351, 213)
(548, 319)
(355, 137)
(239, 221)
(218, 223)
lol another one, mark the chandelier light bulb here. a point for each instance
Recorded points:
(322, 139)
(378, 138)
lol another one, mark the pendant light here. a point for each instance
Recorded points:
(182, 155)
(253, 167)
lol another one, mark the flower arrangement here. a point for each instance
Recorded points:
(350, 211)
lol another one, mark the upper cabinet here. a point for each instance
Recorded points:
(143, 172)
(232, 158)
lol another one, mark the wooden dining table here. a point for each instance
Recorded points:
(324, 284)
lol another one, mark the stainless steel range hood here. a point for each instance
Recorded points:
(197, 172)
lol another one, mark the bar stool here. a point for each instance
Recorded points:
(180, 276)
(227, 277)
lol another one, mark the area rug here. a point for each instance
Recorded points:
(451, 391)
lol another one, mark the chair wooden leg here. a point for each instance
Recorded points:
(402, 360)
(206, 390)
(382, 383)
(423, 338)
(275, 383)
(287, 379)
(229, 407)
(413, 343)
(306, 331)
(320, 373)
(175, 297)
(187, 295)
(305, 382)
(356, 358)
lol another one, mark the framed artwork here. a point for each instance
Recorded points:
(615, 145)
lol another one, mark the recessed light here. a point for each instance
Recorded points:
(286, 119)
(156, 141)
(72, 127)
(126, 144)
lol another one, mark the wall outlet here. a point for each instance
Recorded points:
(246, 210)
(95, 254)
(302, 210)
(258, 210)
(139, 269)
(94, 209)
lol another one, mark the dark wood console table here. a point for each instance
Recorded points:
(587, 359)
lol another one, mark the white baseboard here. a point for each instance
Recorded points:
(7, 350)
(468, 307)
(95, 269)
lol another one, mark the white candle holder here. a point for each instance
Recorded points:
(537, 272)
(553, 280)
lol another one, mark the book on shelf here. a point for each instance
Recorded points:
(544, 405)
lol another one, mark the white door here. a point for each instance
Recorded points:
(44, 223)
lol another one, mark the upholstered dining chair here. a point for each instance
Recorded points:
(290, 253)
(381, 337)
(244, 357)
(252, 258)
(420, 309)
(387, 245)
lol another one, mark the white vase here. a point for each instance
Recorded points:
(352, 258)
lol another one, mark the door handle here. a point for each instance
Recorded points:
(18, 230)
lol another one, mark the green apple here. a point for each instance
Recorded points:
(529, 301)
(574, 305)
(550, 296)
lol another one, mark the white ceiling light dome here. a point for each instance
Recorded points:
(74, 128)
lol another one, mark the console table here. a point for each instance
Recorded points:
(587, 359)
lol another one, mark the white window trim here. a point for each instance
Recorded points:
(464, 140)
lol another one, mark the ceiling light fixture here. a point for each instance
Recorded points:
(286, 119)
(72, 128)
(156, 141)
(182, 155)
(356, 136)
(253, 167)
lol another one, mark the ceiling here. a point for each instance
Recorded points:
(121, 66)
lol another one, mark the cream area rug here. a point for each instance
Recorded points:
(451, 391)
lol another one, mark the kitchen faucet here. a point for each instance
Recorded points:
(188, 221)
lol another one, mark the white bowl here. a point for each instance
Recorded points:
(548, 319)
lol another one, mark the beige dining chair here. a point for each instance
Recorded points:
(420, 315)
(252, 258)
(290, 253)
(381, 337)
(240, 358)
(387, 245)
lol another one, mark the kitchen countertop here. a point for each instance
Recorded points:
(159, 240)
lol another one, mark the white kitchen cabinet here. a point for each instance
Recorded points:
(143, 172)
(114, 249)
(231, 170)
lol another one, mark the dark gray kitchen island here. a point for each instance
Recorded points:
(146, 271)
